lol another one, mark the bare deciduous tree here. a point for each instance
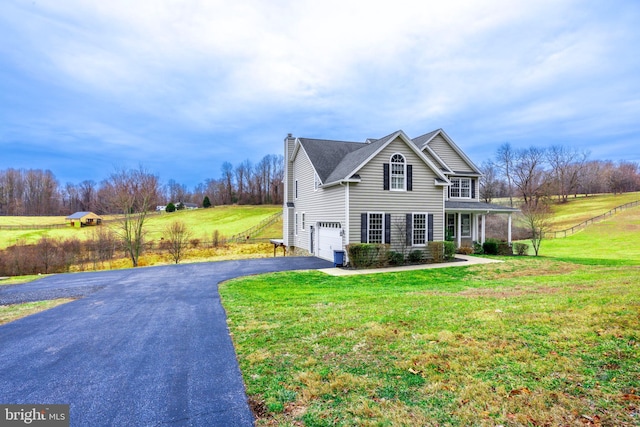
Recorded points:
(505, 159)
(47, 253)
(537, 218)
(529, 175)
(566, 165)
(489, 183)
(227, 178)
(133, 193)
(176, 237)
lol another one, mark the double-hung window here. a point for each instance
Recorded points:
(419, 234)
(375, 230)
(460, 188)
(398, 172)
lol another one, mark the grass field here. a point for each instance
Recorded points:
(615, 241)
(531, 341)
(228, 220)
(553, 340)
(581, 208)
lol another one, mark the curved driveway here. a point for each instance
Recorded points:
(144, 347)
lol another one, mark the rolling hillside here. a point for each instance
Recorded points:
(581, 208)
(228, 220)
(614, 241)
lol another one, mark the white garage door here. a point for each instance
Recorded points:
(329, 239)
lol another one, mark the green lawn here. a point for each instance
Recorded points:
(531, 341)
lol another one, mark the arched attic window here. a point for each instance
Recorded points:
(398, 172)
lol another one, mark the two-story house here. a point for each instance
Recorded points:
(393, 190)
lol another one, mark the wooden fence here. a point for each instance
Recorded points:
(584, 224)
(33, 227)
(256, 229)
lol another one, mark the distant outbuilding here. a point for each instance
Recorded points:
(83, 219)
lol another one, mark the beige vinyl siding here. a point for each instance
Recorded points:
(433, 159)
(322, 205)
(449, 155)
(369, 196)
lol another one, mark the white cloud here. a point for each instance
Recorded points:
(336, 67)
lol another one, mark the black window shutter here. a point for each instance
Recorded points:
(430, 227)
(409, 177)
(473, 188)
(409, 229)
(363, 228)
(385, 176)
(387, 228)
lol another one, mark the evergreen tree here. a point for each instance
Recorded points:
(206, 203)
(170, 207)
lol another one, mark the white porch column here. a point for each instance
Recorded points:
(509, 231)
(483, 235)
(459, 231)
(474, 227)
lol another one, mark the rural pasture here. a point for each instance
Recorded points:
(228, 220)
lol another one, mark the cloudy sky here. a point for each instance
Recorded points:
(181, 86)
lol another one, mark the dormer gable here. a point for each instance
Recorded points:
(439, 145)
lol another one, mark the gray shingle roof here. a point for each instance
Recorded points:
(354, 159)
(325, 155)
(336, 160)
(419, 141)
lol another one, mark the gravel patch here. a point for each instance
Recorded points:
(15, 295)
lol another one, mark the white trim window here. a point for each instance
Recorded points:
(460, 188)
(398, 172)
(465, 225)
(295, 225)
(419, 232)
(296, 189)
(375, 227)
(303, 218)
(451, 224)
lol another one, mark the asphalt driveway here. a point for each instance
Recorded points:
(144, 347)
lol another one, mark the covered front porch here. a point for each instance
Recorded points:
(465, 222)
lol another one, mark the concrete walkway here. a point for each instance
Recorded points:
(462, 261)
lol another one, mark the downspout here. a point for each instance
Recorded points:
(346, 212)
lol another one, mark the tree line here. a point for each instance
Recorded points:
(37, 192)
(556, 172)
(535, 176)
